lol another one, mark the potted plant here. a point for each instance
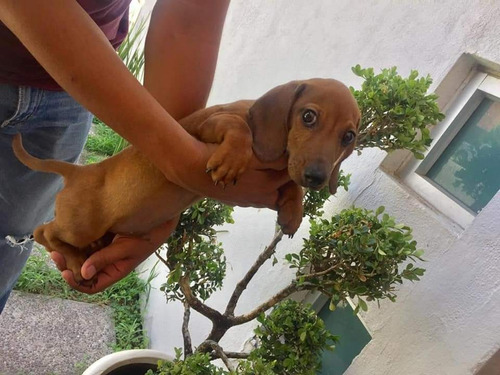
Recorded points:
(128, 362)
(356, 254)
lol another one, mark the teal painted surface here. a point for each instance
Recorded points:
(353, 338)
(469, 168)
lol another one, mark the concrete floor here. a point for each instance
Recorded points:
(42, 335)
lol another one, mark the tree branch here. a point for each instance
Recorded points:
(196, 304)
(219, 353)
(281, 295)
(188, 346)
(237, 355)
(163, 260)
(322, 273)
(242, 285)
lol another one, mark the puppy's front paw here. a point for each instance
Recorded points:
(290, 208)
(290, 218)
(226, 165)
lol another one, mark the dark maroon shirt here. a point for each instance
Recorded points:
(19, 67)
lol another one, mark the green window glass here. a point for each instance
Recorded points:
(353, 338)
(469, 169)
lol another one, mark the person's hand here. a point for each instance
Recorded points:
(115, 261)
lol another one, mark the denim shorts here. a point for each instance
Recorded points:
(53, 126)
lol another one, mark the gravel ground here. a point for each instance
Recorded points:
(42, 335)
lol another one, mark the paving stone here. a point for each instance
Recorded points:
(42, 335)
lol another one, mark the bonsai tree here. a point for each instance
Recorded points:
(357, 254)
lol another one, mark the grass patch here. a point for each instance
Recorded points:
(124, 298)
(93, 157)
(103, 140)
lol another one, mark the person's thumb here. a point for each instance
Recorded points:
(99, 260)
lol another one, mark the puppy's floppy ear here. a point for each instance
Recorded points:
(334, 179)
(269, 120)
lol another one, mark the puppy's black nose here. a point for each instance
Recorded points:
(314, 177)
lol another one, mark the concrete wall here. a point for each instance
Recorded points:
(449, 322)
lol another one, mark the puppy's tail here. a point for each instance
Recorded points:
(36, 164)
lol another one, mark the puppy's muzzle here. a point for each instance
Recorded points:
(314, 177)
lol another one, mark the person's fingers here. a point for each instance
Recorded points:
(101, 259)
(266, 193)
(110, 274)
(58, 260)
(68, 276)
(103, 281)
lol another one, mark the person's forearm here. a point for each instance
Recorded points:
(75, 52)
(181, 52)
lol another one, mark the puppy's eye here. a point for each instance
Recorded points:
(309, 117)
(348, 138)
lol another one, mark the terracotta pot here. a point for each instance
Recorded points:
(127, 362)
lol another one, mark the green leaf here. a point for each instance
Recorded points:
(356, 310)
(174, 276)
(332, 305)
(418, 253)
(363, 304)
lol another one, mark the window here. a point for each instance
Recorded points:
(461, 172)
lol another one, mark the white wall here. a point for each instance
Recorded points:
(448, 322)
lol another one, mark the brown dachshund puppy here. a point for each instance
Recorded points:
(314, 122)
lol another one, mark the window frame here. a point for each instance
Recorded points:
(413, 173)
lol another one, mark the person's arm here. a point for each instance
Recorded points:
(181, 52)
(74, 51)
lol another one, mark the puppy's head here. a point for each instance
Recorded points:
(315, 122)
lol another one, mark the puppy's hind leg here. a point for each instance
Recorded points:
(74, 257)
